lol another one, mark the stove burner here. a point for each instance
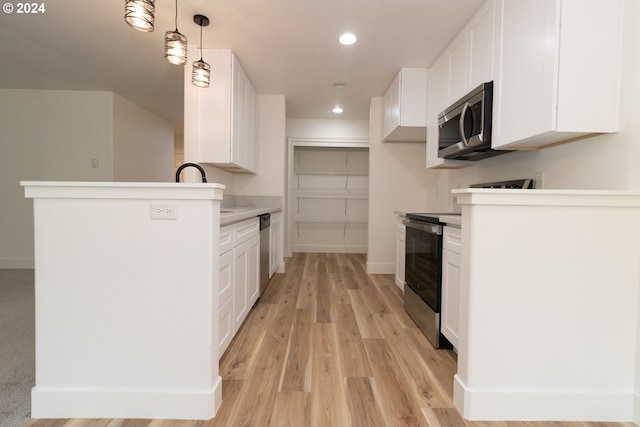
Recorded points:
(519, 184)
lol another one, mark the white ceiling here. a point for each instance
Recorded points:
(286, 47)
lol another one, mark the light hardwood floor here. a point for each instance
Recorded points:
(329, 345)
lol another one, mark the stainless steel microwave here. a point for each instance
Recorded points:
(464, 129)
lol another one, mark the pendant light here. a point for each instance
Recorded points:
(175, 45)
(201, 71)
(139, 14)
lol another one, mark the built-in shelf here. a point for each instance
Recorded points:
(331, 194)
(330, 199)
(343, 173)
(339, 220)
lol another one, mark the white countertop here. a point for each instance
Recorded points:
(122, 190)
(451, 220)
(543, 197)
(231, 215)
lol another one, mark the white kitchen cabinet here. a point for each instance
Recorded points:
(225, 314)
(253, 273)
(240, 284)
(275, 243)
(458, 59)
(470, 55)
(405, 106)
(401, 234)
(246, 268)
(451, 284)
(557, 70)
(465, 64)
(222, 119)
(480, 34)
(239, 265)
(438, 100)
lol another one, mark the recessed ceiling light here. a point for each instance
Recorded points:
(337, 109)
(347, 39)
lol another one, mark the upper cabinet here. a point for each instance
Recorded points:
(405, 106)
(555, 66)
(557, 70)
(223, 118)
(466, 63)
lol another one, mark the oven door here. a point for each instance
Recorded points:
(423, 261)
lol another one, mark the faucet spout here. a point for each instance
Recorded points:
(186, 165)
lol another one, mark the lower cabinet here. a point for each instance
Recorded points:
(239, 278)
(451, 284)
(225, 314)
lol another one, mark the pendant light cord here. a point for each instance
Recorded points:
(200, 40)
(176, 16)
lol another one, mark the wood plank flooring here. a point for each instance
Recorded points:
(329, 345)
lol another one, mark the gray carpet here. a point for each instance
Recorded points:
(17, 346)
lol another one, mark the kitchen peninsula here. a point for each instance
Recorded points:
(549, 295)
(126, 299)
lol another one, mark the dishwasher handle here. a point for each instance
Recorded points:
(424, 226)
(265, 221)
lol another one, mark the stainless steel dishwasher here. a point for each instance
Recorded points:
(265, 222)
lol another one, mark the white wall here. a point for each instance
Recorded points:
(48, 135)
(636, 397)
(342, 129)
(143, 144)
(397, 177)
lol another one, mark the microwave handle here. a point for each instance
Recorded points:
(465, 141)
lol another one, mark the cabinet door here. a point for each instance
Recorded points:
(525, 72)
(240, 284)
(480, 33)
(437, 101)
(391, 105)
(458, 68)
(253, 271)
(251, 126)
(238, 137)
(225, 316)
(450, 296)
(208, 110)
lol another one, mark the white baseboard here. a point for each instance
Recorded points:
(53, 402)
(17, 263)
(381, 267)
(636, 407)
(541, 405)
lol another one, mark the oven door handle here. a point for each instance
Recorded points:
(429, 228)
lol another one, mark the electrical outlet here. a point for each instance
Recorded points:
(164, 211)
(539, 179)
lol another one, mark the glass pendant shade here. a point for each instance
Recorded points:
(175, 47)
(139, 14)
(200, 73)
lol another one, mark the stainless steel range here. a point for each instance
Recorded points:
(423, 265)
(423, 273)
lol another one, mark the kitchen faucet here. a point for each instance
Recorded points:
(204, 178)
